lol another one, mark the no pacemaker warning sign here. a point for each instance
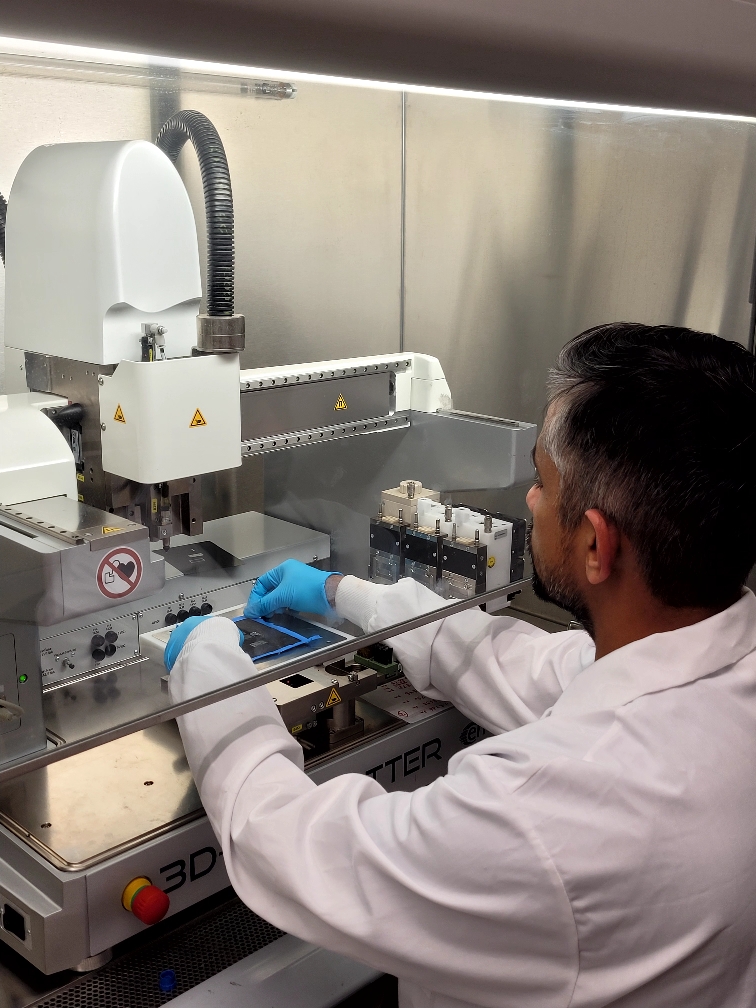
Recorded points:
(119, 572)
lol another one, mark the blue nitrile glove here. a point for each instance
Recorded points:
(291, 585)
(178, 638)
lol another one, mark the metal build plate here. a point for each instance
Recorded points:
(256, 537)
(91, 806)
(75, 523)
(286, 408)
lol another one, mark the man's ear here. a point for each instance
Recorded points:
(603, 546)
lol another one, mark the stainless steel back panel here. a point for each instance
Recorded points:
(317, 203)
(527, 223)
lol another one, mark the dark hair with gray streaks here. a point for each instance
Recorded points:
(655, 426)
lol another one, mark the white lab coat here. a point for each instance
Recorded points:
(599, 849)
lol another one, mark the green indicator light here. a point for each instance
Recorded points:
(23, 678)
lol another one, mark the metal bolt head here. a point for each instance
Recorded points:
(354, 677)
(334, 682)
(100, 380)
(103, 427)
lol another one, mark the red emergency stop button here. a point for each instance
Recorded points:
(148, 903)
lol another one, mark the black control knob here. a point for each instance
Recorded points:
(110, 650)
(98, 640)
(195, 611)
(170, 618)
(111, 636)
(181, 615)
(98, 654)
(205, 609)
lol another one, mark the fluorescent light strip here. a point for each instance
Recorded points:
(54, 50)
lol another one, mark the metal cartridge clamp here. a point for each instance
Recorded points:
(220, 333)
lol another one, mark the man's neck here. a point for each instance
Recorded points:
(630, 617)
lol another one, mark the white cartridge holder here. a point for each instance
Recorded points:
(166, 420)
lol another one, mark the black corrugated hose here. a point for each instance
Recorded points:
(3, 213)
(219, 204)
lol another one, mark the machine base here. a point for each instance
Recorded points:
(93, 962)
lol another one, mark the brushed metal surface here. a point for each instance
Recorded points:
(269, 411)
(73, 522)
(314, 436)
(103, 801)
(317, 206)
(528, 223)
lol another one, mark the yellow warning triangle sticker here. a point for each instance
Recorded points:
(198, 420)
(106, 529)
(333, 698)
(118, 415)
(341, 403)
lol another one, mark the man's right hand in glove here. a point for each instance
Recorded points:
(292, 585)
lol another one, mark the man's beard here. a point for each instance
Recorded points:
(554, 586)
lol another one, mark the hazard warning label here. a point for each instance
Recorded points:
(333, 698)
(119, 572)
(341, 403)
(198, 420)
(118, 415)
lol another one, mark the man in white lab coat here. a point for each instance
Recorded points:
(599, 848)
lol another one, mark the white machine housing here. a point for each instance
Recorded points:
(35, 460)
(101, 238)
(170, 419)
(420, 386)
